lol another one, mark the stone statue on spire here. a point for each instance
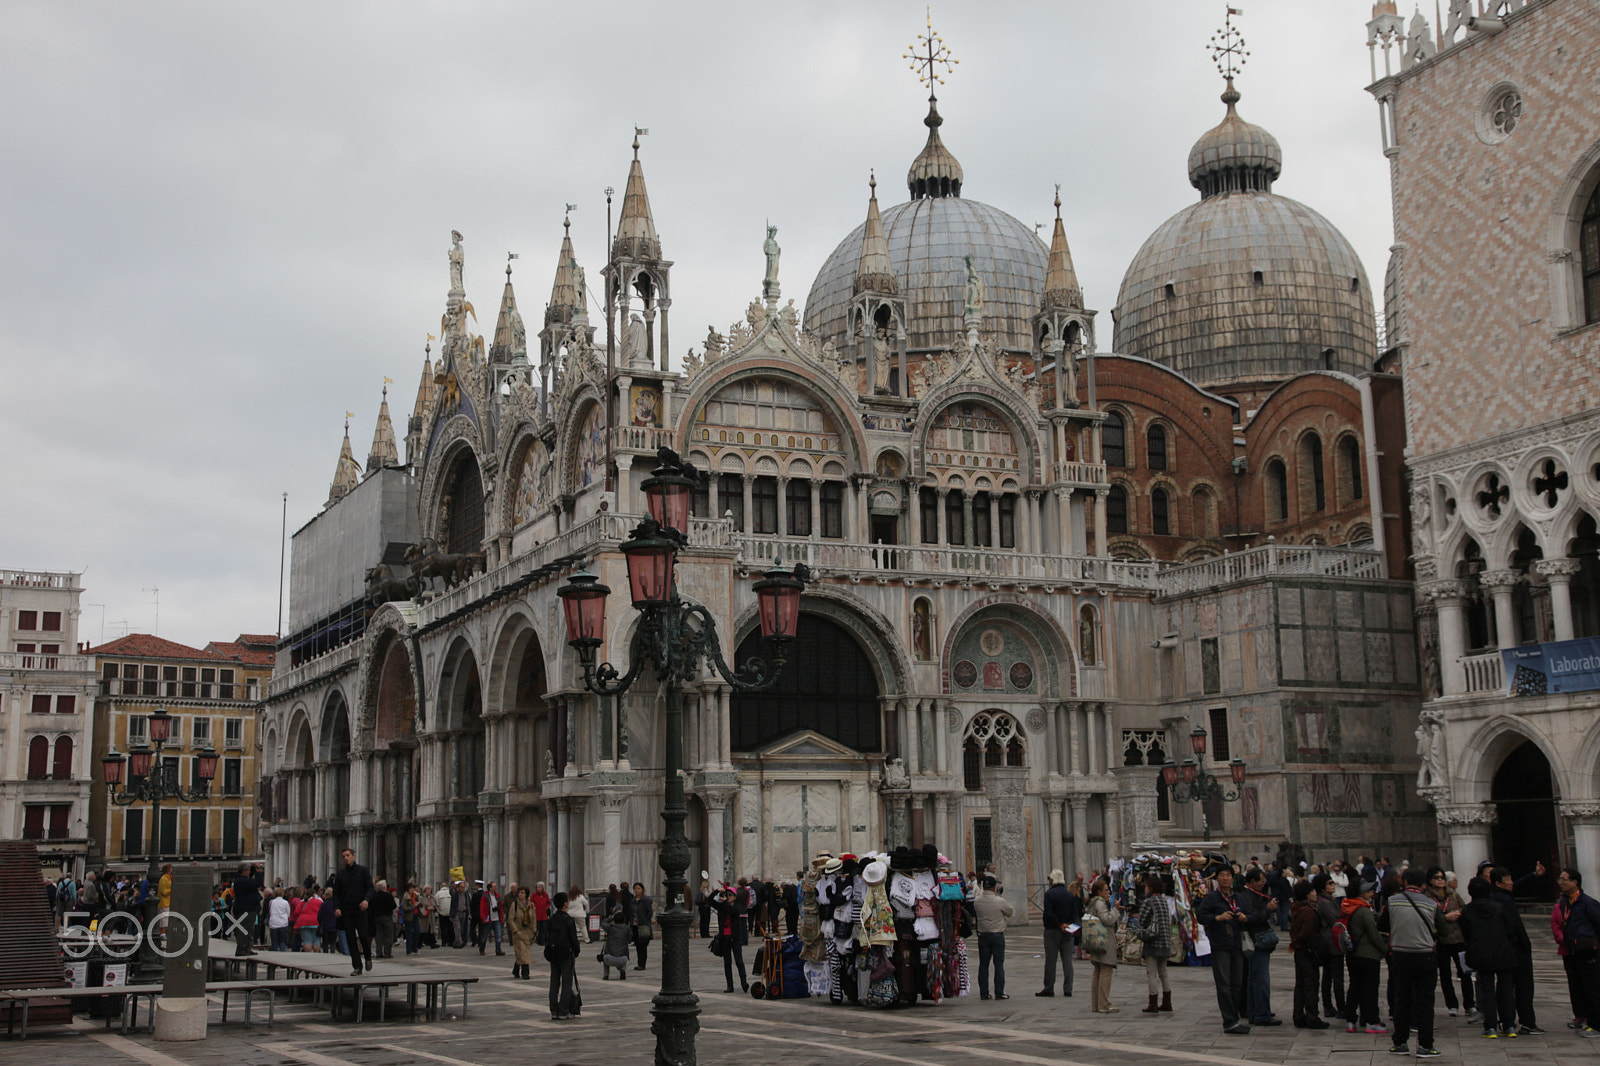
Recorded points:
(456, 260)
(769, 286)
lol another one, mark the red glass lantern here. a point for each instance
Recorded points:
(139, 760)
(1237, 767)
(112, 764)
(666, 494)
(651, 560)
(1169, 774)
(160, 726)
(207, 764)
(778, 603)
(584, 601)
(1197, 740)
(1190, 771)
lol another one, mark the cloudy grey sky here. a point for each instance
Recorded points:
(225, 224)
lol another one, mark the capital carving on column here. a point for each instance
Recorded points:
(1499, 579)
(1446, 589)
(1005, 782)
(1101, 494)
(1586, 811)
(1557, 569)
(1466, 814)
(612, 799)
(1079, 801)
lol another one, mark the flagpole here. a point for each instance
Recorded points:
(283, 554)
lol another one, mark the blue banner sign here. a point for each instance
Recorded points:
(1562, 666)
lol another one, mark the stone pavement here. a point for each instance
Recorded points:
(510, 1023)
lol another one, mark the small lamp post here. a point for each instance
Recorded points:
(1191, 783)
(676, 636)
(144, 777)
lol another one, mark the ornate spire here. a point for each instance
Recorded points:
(384, 451)
(564, 295)
(935, 172)
(423, 408)
(509, 334)
(1060, 279)
(347, 475)
(875, 272)
(636, 230)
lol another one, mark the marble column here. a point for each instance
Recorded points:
(946, 836)
(492, 848)
(716, 812)
(967, 533)
(1499, 584)
(1447, 597)
(724, 724)
(914, 515)
(783, 506)
(1006, 785)
(1559, 573)
(994, 521)
(913, 757)
(942, 516)
(1468, 826)
(1079, 805)
(766, 830)
(562, 847)
(749, 503)
(1056, 859)
(1136, 790)
(863, 519)
(816, 508)
(611, 804)
(1584, 817)
(1100, 547)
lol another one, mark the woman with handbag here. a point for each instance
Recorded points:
(561, 952)
(1102, 946)
(1155, 930)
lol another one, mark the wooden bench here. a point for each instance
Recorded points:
(27, 998)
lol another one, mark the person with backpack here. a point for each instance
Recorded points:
(1415, 924)
(1575, 921)
(1332, 966)
(1224, 919)
(561, 952)
(1308, 947)
(1261, 908)
(1491, 952)
(1357, 938)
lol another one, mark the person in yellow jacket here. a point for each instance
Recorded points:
(164, 888)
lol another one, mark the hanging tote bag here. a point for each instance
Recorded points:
(1095, 937)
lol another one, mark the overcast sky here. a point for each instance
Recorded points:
(225, 224)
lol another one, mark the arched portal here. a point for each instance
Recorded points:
(519, 732)
(392, 774)
(1523, 792)
(460, 522)
(461, 703)
(828, 685)
(335, 785)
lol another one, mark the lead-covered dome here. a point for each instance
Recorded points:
(928, 242)
(1245, 285)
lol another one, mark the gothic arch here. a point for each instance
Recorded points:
(300, 750)
(842, 408)
(1054, 652)
(516, 637)
(458, 432)
(1023, 430)
(459, 685)
(876, 634)
(1562, 232)
(1488, 747)
(392, 684)
(578, 444)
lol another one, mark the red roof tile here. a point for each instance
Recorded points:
(237, 650)
(268, 639)
(148, 646)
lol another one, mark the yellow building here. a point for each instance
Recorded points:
(213, 695)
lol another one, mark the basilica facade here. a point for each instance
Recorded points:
(1039, 568)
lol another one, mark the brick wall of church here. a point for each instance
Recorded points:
(1492, 346)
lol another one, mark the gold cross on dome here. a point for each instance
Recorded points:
(1227, 46)
(927, 52)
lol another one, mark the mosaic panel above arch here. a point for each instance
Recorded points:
(532, 482)
(970, 436)
(768, 413)
(1004, 650)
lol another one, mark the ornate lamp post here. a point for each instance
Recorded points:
(675, 635)
(150, 780)
(1190, 783)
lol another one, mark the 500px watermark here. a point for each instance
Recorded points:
(120, 934)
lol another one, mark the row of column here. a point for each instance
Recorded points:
(706, 709)
(924, 743)
(1468, 827)
(1449, 598)
(1079, 738)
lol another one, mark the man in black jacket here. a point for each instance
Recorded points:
(352, 893)
(1224, 918)
(246, 905)
(561, 952)
(1522, 978)
(1259, 905)
(1061, 910)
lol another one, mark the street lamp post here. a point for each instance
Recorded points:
(1190, 783)
(676, 636)
(150, 780)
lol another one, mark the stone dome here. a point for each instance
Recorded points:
(929, 239)
(1234, 155)
(1245, 285)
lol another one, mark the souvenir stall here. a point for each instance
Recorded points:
(884, 930)
(1190, 865)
